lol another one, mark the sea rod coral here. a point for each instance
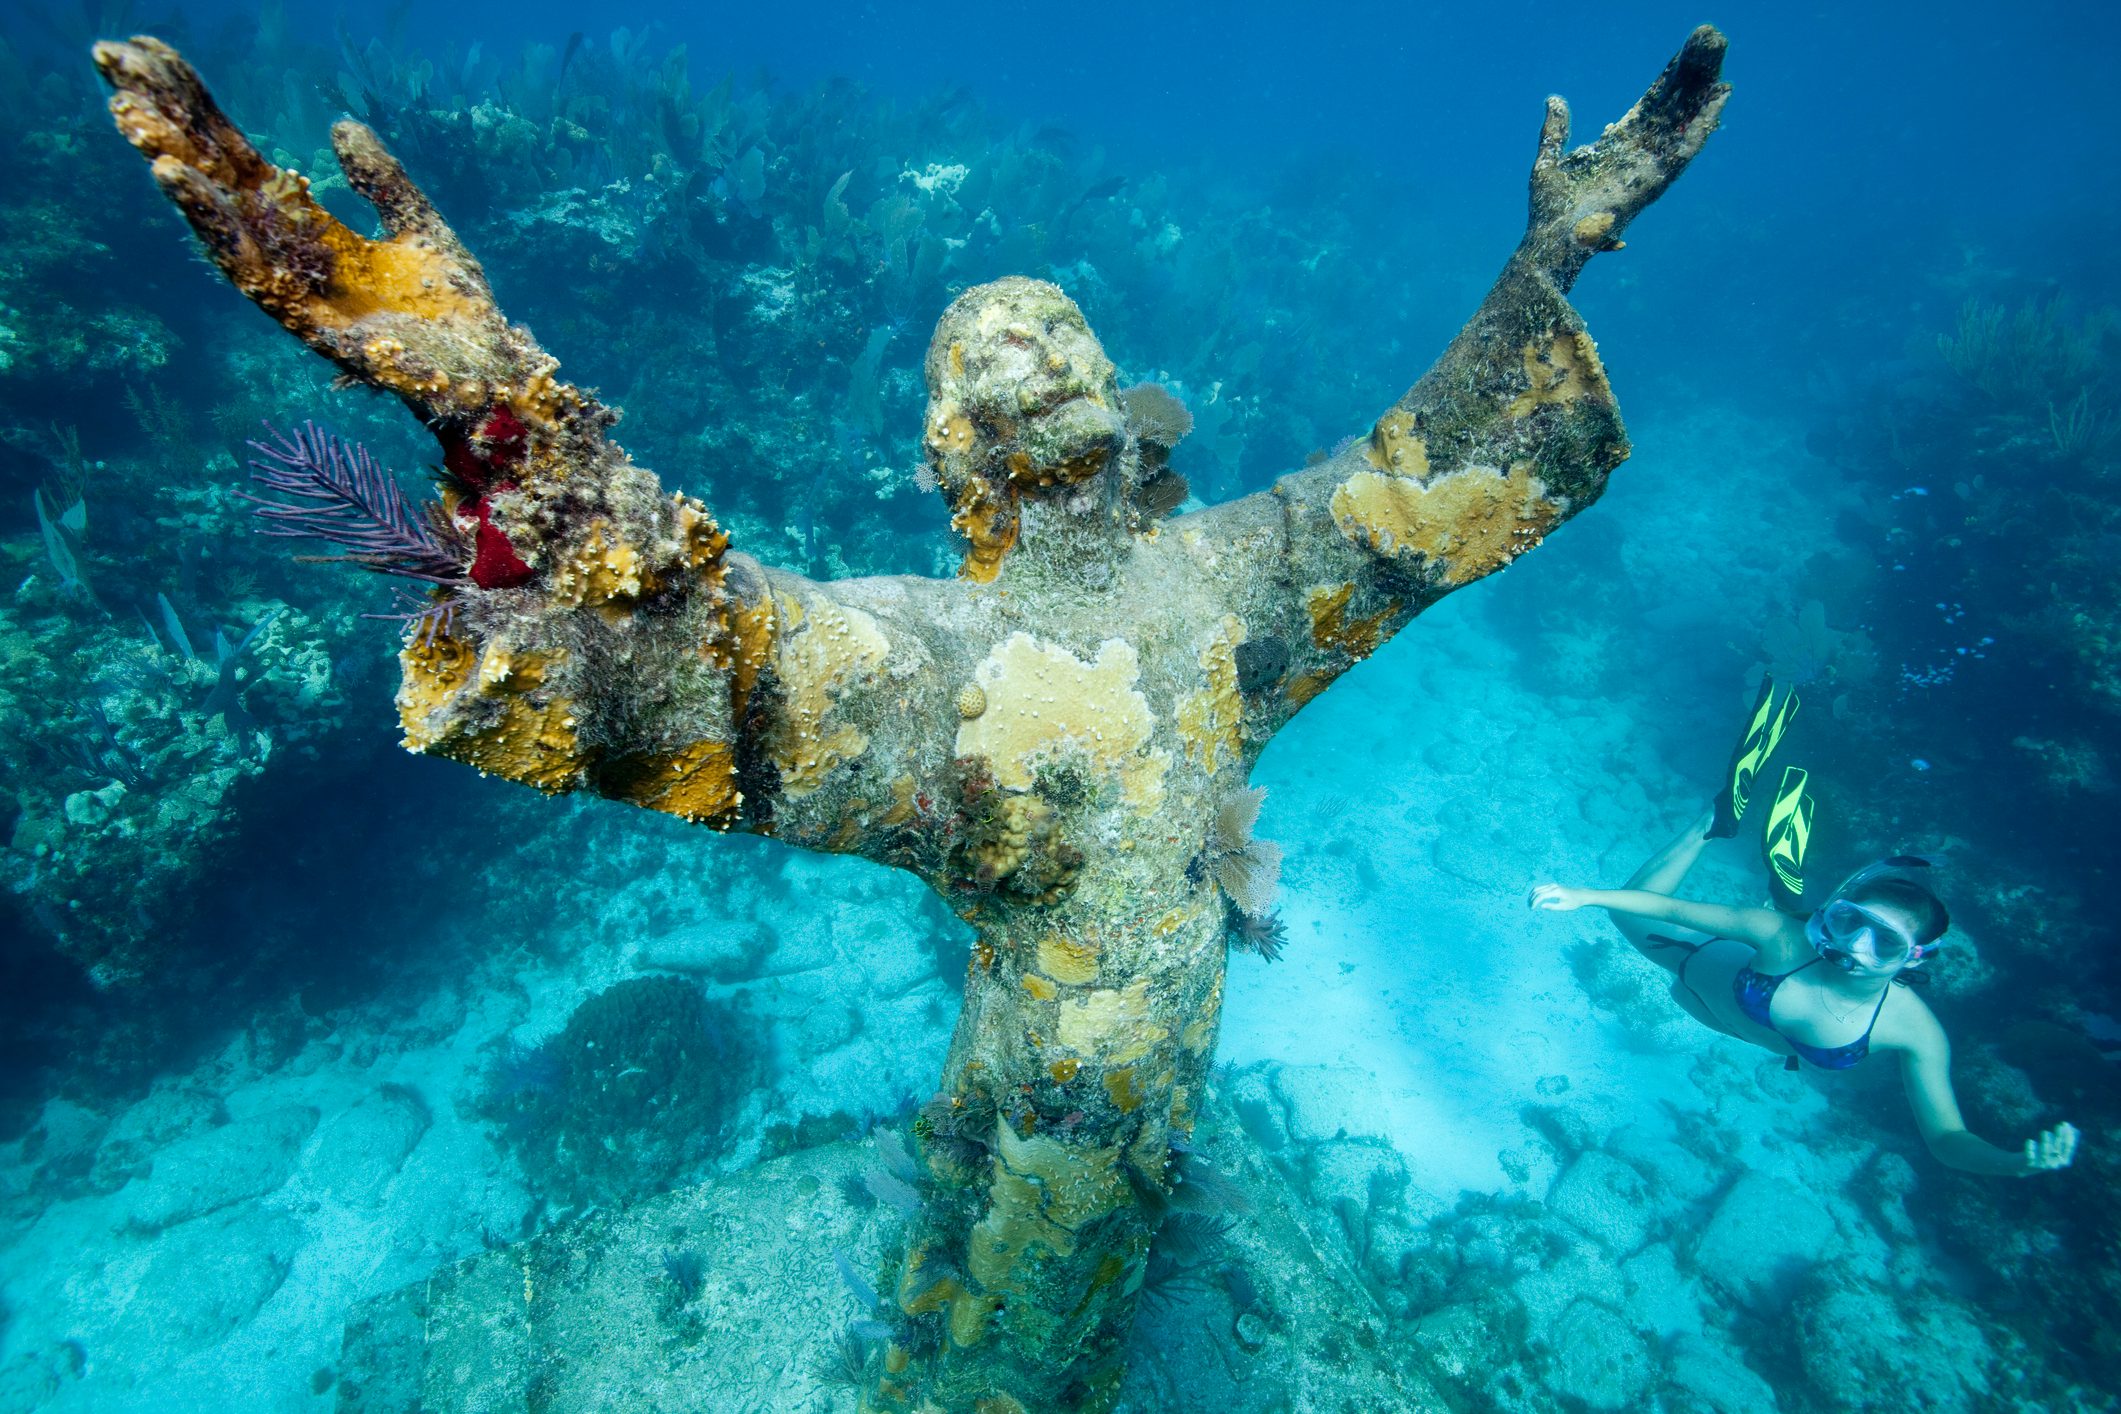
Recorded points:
(1044, 739)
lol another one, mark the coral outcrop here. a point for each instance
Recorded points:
(1044, 739)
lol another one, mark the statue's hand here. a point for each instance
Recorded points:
(2055, 1148)
(1583, 200)
(410, 313)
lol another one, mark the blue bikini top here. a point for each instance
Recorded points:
(1755, 994)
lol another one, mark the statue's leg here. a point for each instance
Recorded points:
(1079, 1059)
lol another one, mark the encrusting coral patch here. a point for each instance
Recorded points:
(1043, 702)
(492, 710)
(1111, 1023)
(1469, 523)
(696, 783)
(1397, 447)
(1333, 628)
(823, 651)
(1210, 720)
(1559, 374)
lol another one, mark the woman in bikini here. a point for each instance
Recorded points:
(1819, 990)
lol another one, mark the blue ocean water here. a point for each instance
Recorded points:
(300, 1022)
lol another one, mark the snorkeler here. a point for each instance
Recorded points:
(1819, 989)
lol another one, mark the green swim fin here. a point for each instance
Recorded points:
(1764, 728)
(1783, 842)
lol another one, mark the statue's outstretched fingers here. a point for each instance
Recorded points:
(411, 313)
(380, 178)
(1551, 193)
(1583, 200)
(1668, 126)
(163, 109)
(201, 161)
(1553, 134)
(1690, 89)
(258, 223)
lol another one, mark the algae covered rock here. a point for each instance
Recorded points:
(1660, 1298)
(205, 1279)
(64, 1141)
(241, 1160)
(1597, 1360)
(1713, 1380)
(1464, 1341)
(1604, 1199)
(152, 1122)
(1763, 1238)
(1862, 1352)
(634, 1091)
(362, 1148)
(1329, 1102)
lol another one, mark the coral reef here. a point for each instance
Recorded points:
(142, 748)
(630, 1096)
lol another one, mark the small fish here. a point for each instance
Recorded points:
(892, 1192)
(863, 1291)
(1110, 186)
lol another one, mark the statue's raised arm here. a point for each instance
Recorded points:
(601, 635)
(1512, 431)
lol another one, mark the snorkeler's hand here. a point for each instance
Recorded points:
(2054, 1149)
(1558, 898)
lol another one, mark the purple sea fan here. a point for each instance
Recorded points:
(333, 490)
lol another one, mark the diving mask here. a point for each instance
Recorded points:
(1850, 934)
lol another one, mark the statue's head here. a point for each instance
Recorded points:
(1022, 407)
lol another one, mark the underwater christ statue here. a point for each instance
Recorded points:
(1057, 740)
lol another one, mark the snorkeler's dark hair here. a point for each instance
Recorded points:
(1922, 908)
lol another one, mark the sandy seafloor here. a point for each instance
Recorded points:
(1418, 802)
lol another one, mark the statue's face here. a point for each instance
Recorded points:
(1020, 393)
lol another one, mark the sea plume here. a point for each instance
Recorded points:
(1262, 933)
(334, 491)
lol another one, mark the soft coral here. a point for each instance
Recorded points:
(483, 463)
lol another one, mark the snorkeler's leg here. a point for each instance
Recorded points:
(1703, 979)
(1662, 873)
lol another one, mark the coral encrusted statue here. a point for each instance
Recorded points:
(1047, 739)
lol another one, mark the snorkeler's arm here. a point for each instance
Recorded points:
(1926, 1069)
(604, 637)
(1757, 926)
(1511, 432)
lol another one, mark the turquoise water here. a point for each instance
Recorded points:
(298, 1021)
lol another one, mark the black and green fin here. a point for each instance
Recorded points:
(1784, 840)
(1764, 728)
